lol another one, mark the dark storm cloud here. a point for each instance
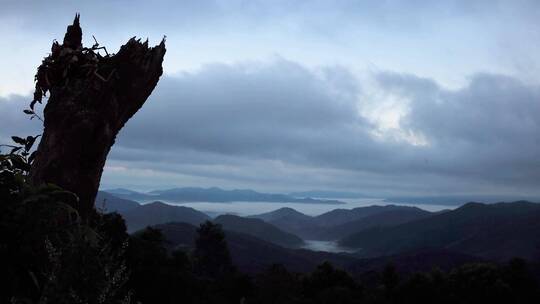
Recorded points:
(489, 129)
(279, 124)
(485, 133)
(277, 110)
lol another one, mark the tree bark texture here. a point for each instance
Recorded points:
(91, 97)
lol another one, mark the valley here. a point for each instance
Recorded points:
(349, 237)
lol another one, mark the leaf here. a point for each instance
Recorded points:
(20, 164)
(28, 112)
(38, 96)
(18, 140)
(32, 156)
(34, 279)
(15, 150)
(29, 142)
(33, 103)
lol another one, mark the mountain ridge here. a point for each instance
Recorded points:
(260, 229)
(495, 231)
(217, 195)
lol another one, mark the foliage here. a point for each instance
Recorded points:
(46, 253)
(205, 275)
(212, 258)
(170, 277)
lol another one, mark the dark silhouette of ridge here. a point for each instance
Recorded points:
(494, 231)
(159, 213)
(260, 229)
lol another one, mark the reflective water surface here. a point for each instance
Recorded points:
(328, 246)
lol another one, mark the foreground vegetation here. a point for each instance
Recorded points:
(50, 255)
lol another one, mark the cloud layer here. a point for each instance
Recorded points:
(280, 126)
(484, 137)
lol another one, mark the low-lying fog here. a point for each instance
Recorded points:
(251, 208)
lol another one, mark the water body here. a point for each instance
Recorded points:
(328, 246)
(251, 208)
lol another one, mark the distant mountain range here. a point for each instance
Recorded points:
(485, 231)
(328, 194)
(456, 200)
(217, 195)
(139, 216)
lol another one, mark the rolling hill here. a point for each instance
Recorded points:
(111, 203)
(383, 219)
(160, 213)
(342, 216)
(260, 229)
(494, 231)
(339, 223)
(292, 221)
(252, 255)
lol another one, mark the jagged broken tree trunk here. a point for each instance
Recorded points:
(91, 97)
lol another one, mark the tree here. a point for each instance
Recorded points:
(330, 285)
(54, 248)
(211, 256)
(91, 97)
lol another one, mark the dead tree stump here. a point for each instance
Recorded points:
(91, 97)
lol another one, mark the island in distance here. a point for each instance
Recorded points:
(215, 195)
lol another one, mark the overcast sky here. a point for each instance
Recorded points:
(380, 97)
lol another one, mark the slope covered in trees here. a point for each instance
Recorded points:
(495, 231)
(258, 229)
(159, 213)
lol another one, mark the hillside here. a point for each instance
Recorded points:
(342, 216)
(252, 255)
(383, 219)
(339, 223)
(497, 231)
(111, 203)
(414, 261)
(260, 229)
(292, 221)
(160, 213)
(280, 213)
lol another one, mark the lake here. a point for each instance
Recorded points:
(327, 246)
